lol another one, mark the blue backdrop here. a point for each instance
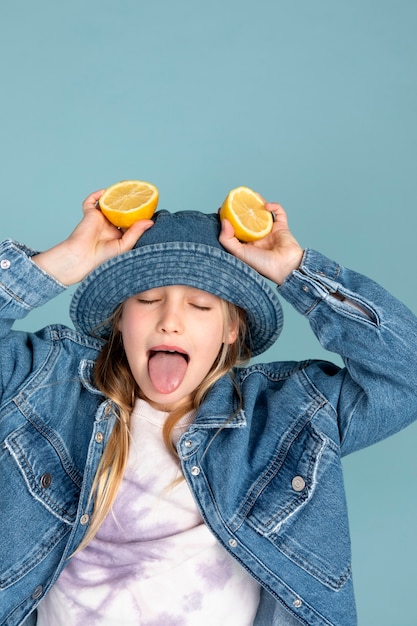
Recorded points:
(313, 104)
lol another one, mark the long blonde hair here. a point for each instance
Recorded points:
(113, 377)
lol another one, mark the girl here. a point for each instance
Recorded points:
(147, 477)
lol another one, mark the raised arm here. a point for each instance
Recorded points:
(375, 394)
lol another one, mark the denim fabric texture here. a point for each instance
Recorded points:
(267, 479)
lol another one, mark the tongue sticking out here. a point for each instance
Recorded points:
(167, 370)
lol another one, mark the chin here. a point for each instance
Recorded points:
(165, 403)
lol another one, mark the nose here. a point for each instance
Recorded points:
(170, 320)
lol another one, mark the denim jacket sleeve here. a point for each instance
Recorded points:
(375, 335)
(23, 287)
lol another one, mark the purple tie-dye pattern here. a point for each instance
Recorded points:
(216, 574)
(153, 561)
(192, 602)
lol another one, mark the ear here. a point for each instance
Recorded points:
(119, 318)
(231, 334)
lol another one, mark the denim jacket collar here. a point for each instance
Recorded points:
(216, 412)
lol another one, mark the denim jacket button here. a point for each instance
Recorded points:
(5, 264)
(298, 483)
(297, 603)
(46, 480)
(195, 470)
(232, 543)
(188, 443)
(84, 519)
(99, 437)
(37, 592)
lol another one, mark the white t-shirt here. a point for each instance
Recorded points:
(153, 561)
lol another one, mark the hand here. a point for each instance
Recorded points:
(92, 242)
(275, 256)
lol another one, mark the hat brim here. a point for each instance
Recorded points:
(178, 263)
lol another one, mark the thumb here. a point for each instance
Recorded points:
(133, 234)
(228, 240)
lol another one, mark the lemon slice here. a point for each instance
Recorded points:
(245, 210)
(128, 201)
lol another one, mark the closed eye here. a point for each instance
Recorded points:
(147, 301)
(201, 307)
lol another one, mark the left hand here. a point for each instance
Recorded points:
(275, 256)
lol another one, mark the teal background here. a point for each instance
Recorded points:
(313, 104)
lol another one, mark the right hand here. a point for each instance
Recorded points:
(93, 241)
(275, 256)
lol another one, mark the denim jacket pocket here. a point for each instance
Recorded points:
(301, 511)
(38, 490)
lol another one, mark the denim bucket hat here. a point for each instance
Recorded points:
(180, 249)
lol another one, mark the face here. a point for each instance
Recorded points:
(172, 336)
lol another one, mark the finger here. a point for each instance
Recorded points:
(91, 201)
(228, 240)
(278, 212)
(227, 230)
(280, 217)
(132, 234)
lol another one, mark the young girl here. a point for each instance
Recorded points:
(146, 476)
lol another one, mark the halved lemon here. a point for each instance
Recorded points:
(128, 201)
(245, 210)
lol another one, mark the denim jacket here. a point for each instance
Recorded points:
(267, 478)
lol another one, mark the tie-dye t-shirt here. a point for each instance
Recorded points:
(153, 561)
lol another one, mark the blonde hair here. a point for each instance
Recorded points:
(113, 377)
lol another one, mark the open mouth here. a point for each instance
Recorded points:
(182, 354)
(167, 368)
